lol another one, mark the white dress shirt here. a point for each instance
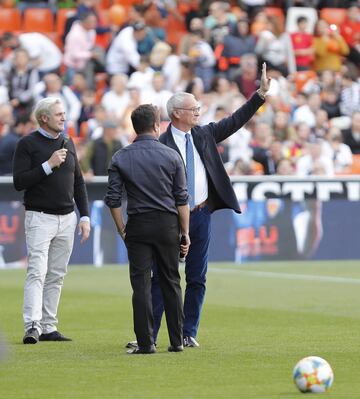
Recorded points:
(122, 52)
(201, 184)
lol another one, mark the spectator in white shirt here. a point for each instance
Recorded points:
(315, 162)
(116, 100)
(142, 77)
(306, 113)
(44, 54)
(163, 60)
(158, 95)
(123, 55)
(339, 152)
(275, 47)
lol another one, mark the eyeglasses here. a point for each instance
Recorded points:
(194, 110)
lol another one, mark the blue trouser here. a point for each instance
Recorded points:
(195, 272)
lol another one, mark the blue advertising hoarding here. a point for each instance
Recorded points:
(282, 219)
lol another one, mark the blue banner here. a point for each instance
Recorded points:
(281, 219)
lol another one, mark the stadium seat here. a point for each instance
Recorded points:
(61, 16)
(302, 77)
(38, 20)
(10, 20)
(104, 16)
(238, 12)
(125, 2)
(293, 13)
(8, 3)
(355, 167)
(105, 4)
(104, 19)
(175, 30)
(333, 15)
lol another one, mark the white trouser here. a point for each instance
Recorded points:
(49, 240)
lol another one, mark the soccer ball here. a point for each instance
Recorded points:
(313, 374)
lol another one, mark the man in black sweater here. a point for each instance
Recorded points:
(47, 168)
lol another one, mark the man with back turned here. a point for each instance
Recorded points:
(158, 213)
(47, 169)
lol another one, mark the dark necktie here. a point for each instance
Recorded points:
(190, 170)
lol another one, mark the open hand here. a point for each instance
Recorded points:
(265, 81)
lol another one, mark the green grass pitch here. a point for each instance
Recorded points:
(258, 321)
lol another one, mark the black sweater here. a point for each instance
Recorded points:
(54, 193)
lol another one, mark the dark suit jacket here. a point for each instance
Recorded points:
(221, 194)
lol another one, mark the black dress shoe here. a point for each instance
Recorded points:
(31, 336)
(53, 336)
(142, 350)
(134, 344)
(131, 345)
(173, 348)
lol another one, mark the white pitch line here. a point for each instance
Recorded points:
(288, 276)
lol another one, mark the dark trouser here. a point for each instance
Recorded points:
(195, 271)
(154, 236)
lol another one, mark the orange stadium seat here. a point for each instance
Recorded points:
(105, 3)
(126, 3)
(38, 20)
(104, 16)
(10, 19)
(302, 77)
(333, 15)
(175, 29)
(104, 19)
(355, 167)
(8, 3)
(61, 16)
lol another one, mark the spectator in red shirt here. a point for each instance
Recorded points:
(302, 42)
(350, 31)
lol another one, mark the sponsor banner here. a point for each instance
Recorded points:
(281, 219)
(324, 190)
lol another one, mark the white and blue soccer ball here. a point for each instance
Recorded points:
(313, 374)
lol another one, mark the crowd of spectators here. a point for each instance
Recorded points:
(102, 70)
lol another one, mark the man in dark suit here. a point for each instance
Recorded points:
(213, 190)
(154, 178)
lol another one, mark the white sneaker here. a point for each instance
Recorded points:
(190, 342)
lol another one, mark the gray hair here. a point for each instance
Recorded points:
(176, 101)
(44, 107)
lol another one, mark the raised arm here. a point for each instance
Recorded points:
(228, 126)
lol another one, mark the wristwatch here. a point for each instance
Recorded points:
(261, 94)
